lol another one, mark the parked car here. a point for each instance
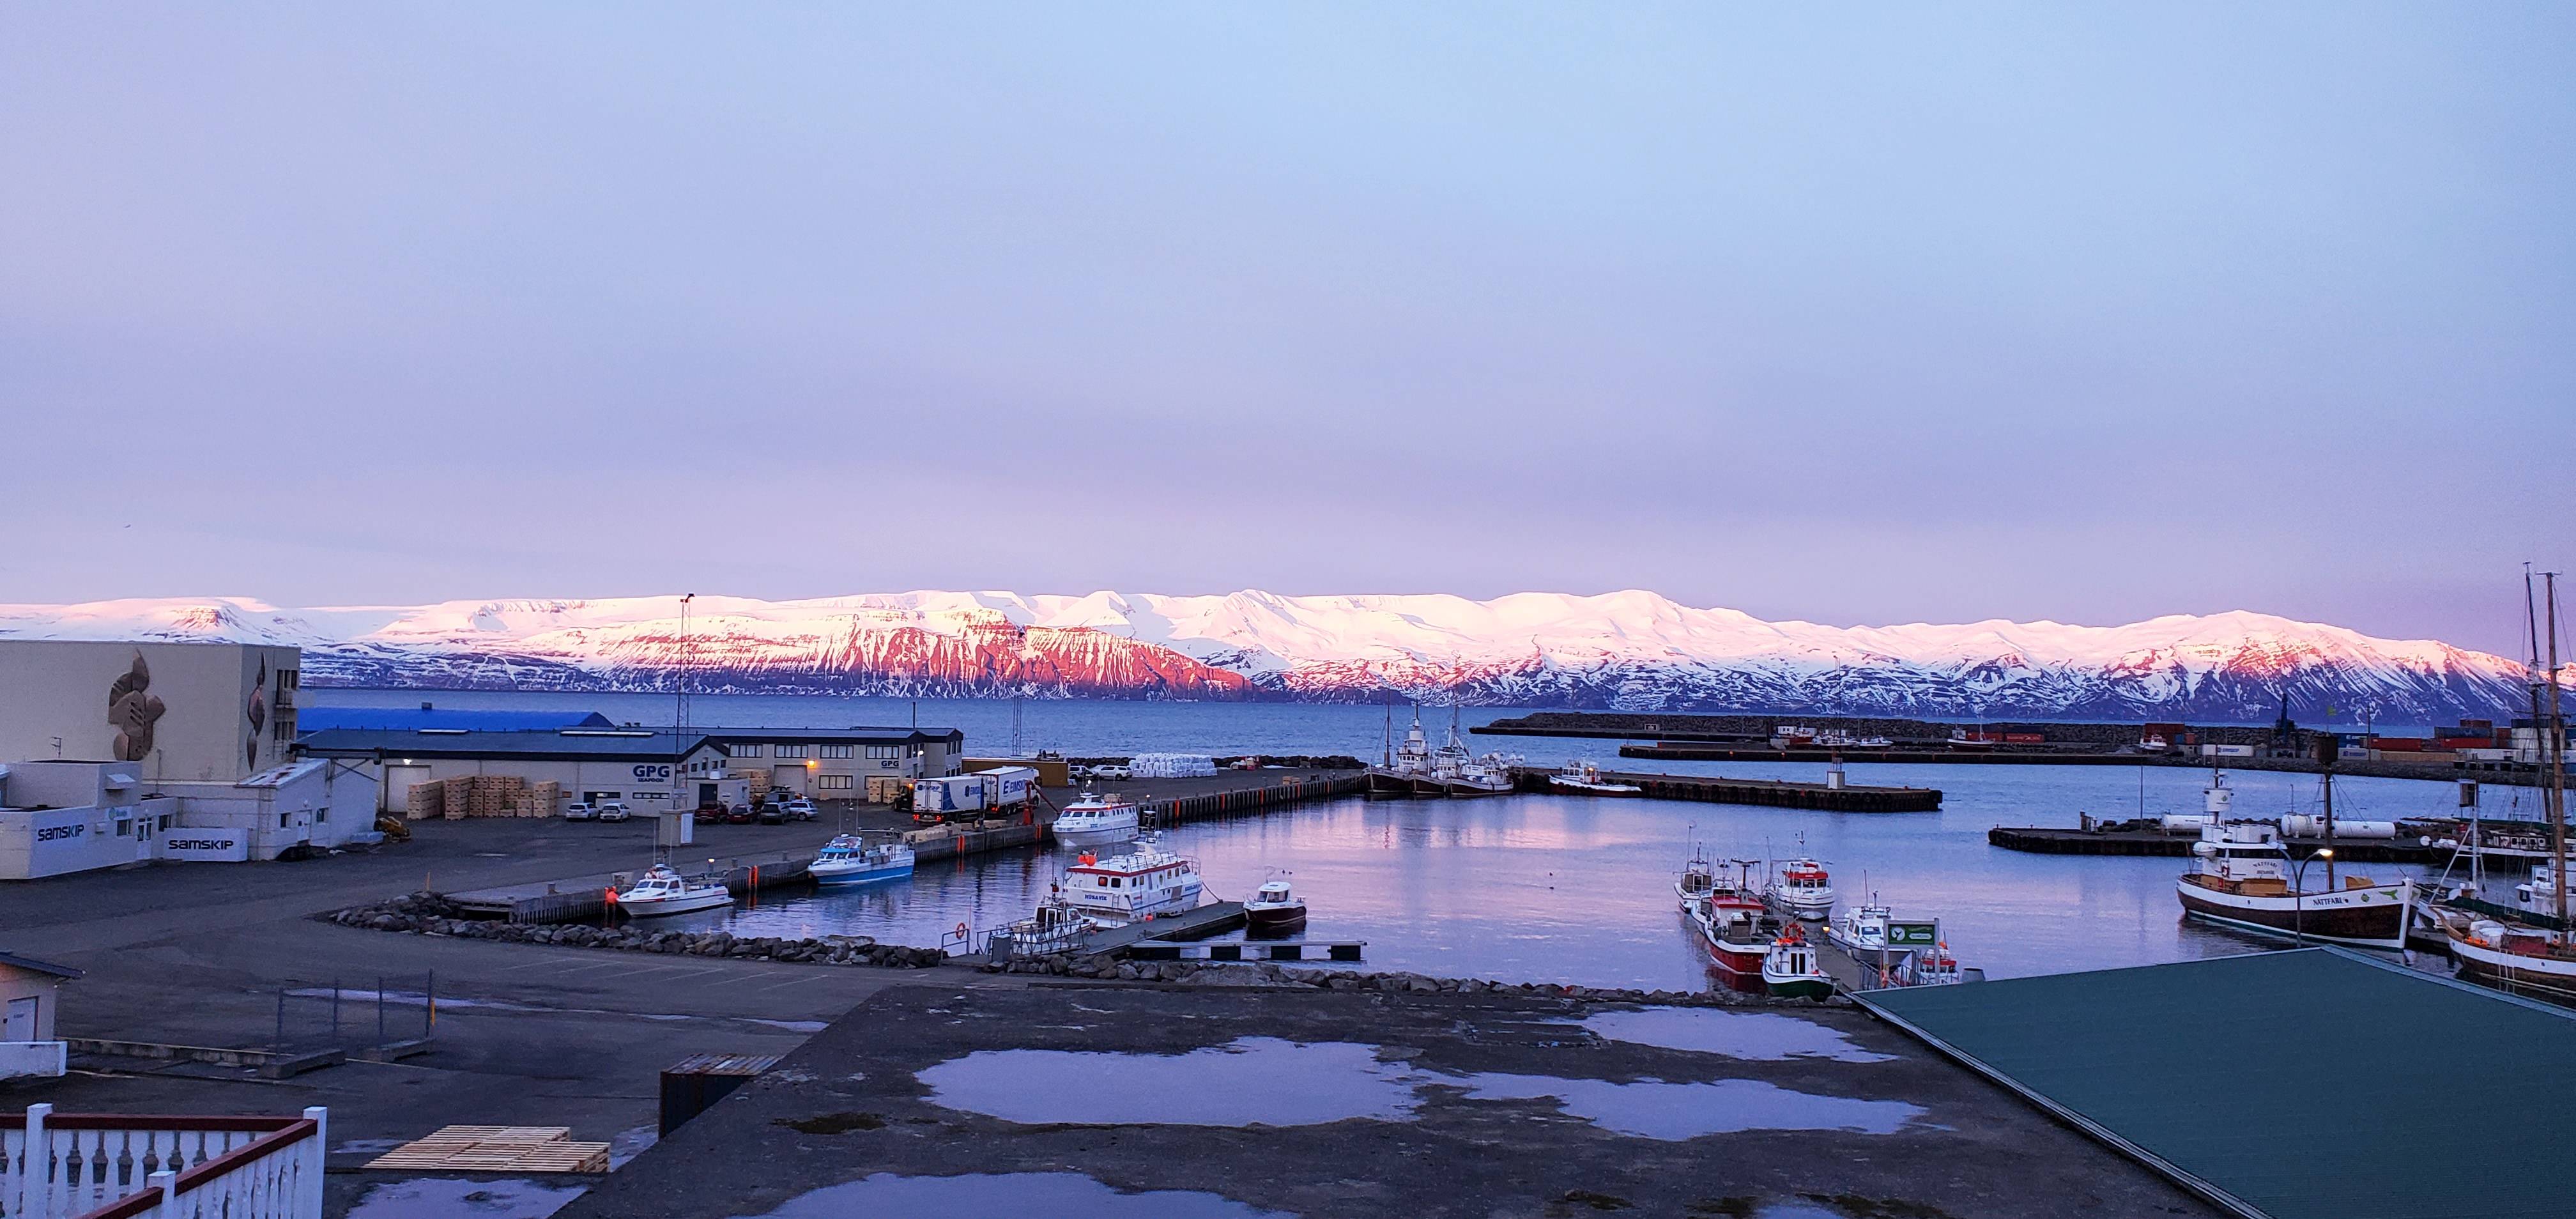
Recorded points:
(772, 814)
(803, 810)
(710, 814)
(581, 810)
(613, 810)
(1109, 772)
(739, 814)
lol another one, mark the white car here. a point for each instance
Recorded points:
(802, 809)
(612, 810)
(581, 810)
(1109, 772)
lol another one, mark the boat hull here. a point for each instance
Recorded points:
(661, 906)
(1386, 784)
(2365, 918)
(1799, 987)
(1096, 836)
(1578, 787)
(1273, 922)
(831, 878)
(1809, 908)
(2515, 973)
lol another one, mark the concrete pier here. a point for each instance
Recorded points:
(1772, 793)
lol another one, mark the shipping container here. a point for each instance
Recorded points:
(1008, 786)
(2024, 738)
(953, 794)
(2227, 751)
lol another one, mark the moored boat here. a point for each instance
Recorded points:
(661, 890)
(2513, 958)
(1584, 779)
(2530, 951)
(1790, 969)
(1733, 926)
(1143, 881)
(1095, 821)
(2242, 876)
(849, 860)
(1800, 888)
(1274, 911)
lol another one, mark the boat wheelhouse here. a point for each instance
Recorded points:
(1274, 911)
(1096, 821)
(1800, 888)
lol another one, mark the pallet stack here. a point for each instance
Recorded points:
(455, 797)
(425, 801)
(496, 1149)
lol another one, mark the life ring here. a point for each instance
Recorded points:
(961, 930)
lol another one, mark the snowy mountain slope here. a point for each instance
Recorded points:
(1629, 650)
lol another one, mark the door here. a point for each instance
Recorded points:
(397, 789)
(790, 777)
(20, 1023)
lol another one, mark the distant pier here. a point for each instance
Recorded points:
(2051, 840)
(1770, 793)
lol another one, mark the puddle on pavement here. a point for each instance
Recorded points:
(1796, 1210)
(1752, 1035)
(1653, 1109)
(449, 1198)
(887, 1196)
(1250, 1081)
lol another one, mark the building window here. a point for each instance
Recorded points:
(832, 783)
(791, 751)
(884, 752)
(746, 751)
(836, 751)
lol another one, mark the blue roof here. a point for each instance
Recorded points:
(472, 719)
(561, 745)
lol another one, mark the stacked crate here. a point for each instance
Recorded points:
(424, 801)
(549, 799)
(456, 797)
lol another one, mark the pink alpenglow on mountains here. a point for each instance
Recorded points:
(1625, 651)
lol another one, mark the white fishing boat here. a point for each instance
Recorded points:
(1584, 779)
(1843, 740)
(2242, 876)
(1096, 821)
(1395, 773)
(1274, 911)
(1800, 888)
(849, 860)
(1862, 931)
(662, 890)
(1144, 881)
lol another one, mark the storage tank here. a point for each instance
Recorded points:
(2190, 822)
(2301, 825)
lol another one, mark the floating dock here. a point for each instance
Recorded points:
(2046, 840)
(2243, 1080)
(1247, 950)
(1215, 918)
(1770, 793)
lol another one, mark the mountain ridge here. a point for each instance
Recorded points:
(1628, 650)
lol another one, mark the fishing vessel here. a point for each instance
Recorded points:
(1053, 927)
(1793, 736)
(848, 860)
(1584, 779)
(1143, 881)
(2242, 876)
(2531, 951)
(1455, 772)
(1790, 969)
(1274, 911)
(1800, 888)
(661, 890)
(1843, 740)
(1733, 926)
(1095, 821)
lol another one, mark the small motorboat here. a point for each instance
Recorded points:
(662, 890)
(849, 860)
(1790, 969)
(1800, 889)
(1698, 880)
(1274, 911)
(1584, 779)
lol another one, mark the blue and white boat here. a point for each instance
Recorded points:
(849, 860)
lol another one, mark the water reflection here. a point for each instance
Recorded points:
(1751, 1035)
(1249, 1081)
(1653, 1109)
(1574, 889)
(888, 1196)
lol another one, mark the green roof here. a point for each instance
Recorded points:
(2308, 1083)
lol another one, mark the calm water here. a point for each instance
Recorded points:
(1555, 888)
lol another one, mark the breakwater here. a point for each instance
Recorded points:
(1769, 793)
(2049, 840)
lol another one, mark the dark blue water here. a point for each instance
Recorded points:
(1557, 888)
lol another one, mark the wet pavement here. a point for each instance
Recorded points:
(1144, 1100)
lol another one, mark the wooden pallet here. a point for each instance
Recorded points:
(497, 1149)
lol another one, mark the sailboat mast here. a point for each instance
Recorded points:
(2556, 753)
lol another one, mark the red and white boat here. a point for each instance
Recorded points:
(1733, 926)
(1145, 881)
(1801, 889)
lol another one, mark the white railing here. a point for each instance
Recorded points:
(150, 1166)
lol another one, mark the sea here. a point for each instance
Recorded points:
(1544, 888)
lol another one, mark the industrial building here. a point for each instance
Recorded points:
(194, 712)
(636, 766)
(63, 817)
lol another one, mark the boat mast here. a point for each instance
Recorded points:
(2556, 754)
(2333, 749)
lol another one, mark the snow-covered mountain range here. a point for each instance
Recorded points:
(1627, 651)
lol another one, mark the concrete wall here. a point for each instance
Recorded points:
(46, 1059)
(321, 803)
(192, 711)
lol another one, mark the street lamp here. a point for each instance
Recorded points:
(2299, 892)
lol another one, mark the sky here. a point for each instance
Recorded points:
(1860, 314)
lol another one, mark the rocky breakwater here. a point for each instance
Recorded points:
(1197, 973)
(432, 914)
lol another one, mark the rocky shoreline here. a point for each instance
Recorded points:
(428, 913)
(1264, 974)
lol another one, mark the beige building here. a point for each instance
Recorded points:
(182, 712)
(648, 769)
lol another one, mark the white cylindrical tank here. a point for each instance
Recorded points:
(2301, 825)
(2187, 821)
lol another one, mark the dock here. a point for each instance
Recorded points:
(585, 897)
(1771, 793)
(1215, 918)
(1247, 950)
(1157, 811)
(2051, 840)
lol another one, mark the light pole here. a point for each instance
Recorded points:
(2299, 892)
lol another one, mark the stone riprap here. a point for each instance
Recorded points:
(433, 914)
